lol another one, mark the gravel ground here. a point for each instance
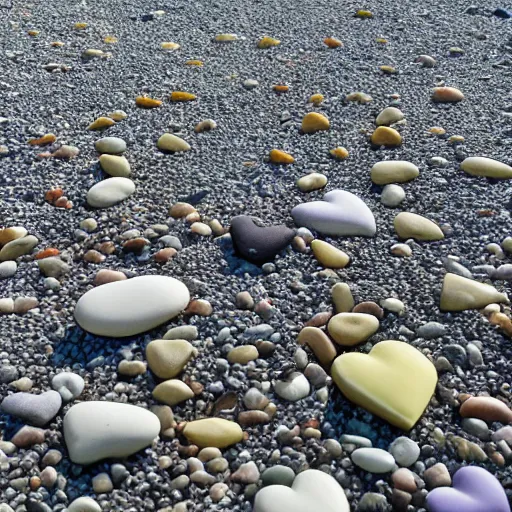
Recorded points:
(229, 166)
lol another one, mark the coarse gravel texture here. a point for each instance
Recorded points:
(230, 165)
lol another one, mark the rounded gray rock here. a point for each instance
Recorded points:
(37, 410)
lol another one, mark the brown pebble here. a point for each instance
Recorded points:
(35, 483)
(53, 194)
(107, 248)
(28, 436)
(196, 387)
(319, 320)
(193, 217)
(437, 476)
(93, 256)
(135, 245)
(299, 244)
(502, 321)
(164, 255)
(486, 408)
(217, 228)
(65, 152)
(105, 276)
(179, 210)
(61, 202)
(403, 479)
(400, 500)
(49, 138)
(244, 300)
(370, 308)
(24, 304)
(319, 343)
(265, 348)
(199, 307)
(251, 418)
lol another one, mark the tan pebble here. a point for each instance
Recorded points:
(205, 126)
(101, 123)
(487, 167)
(170, 46)
(28, 436)
(359, 97)
(456, 139)
(118, 115)
(332, 42)
(23, 305)
(13, 233)
(164, 255)
(319, 343)
(105, 276)
(299, 244)
(23, 384)
(181, 96)
(314, 122)
(340, 153)
(210, 453)
(268, 42)
(168, 358)
(107, 248)
(199, 228)
(349, 329)
(389, 115)
(316, 99)
(145, 102)
(312, 433)
(447, 95)
(401, 250)
(393, 171)
(486, 408)
(410, 225)
(225, 38)
(370, 308)
(403, 479)
(92, 256)
(6, 306)
(217, 228)
(385, 136)
(66, 152)
(218, 491)
(312, 181)
(216, 432)
(342, 298)
(172, 143)
(319, 319)
(172, 392)
(179, 210)
(193, 217)
(328, 255)
(115, 165)
(199, 307)
(242, 355)
(131, 368)
(110, 39)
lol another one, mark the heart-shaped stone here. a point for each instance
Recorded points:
(394, 381)
(37, 410)
(474, 490)
(258, 244)
(312, 490)
(340, 213)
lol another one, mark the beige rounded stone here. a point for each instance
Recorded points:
(319, 343)
(393, 171)
(210, 453)
(385, 136)
(115, 165)
(199, 228)
(328, 255)
(401, 250)
(342, 298)
(314, 122)
(167, 358)
(172, 143)
(213, 432)
(180, 210)
(389, 116)
(447, 95)
(410, 225)
(172, 392)
(18, 247)
(349, 329)
(459, 294)
(482, 166)
(9, 234)
(242, 355)
(312, 181)
(131, 368)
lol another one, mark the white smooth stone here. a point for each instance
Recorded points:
(294, 388)
(125, 308)
(373, 460)
(98, 430)
(110, 192)
(392, 195)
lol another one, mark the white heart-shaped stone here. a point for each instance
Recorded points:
(340, 213)
(312, 490)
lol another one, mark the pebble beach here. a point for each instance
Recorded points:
(255, 256)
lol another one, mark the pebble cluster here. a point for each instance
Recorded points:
(261, 266)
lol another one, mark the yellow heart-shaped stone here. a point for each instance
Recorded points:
(394, 381)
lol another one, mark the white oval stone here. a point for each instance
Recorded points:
(110, 145)
(171, 142)
(392, 195)
(125, 308)
(98, 430)
(389, 116)
(482, 166)
(84, 504)
(295, 387)
(110, 192)
(312, 181)
(373, 460)
(393, 171)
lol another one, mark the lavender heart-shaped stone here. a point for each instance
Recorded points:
(37, 410)
(340, 213)
(474, 490)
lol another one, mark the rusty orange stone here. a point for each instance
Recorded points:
(135, 245)
(332, 42)
(49, 138)
(177, 96)
(281, 88)
(47, 253)
(145, 102)
(280, 157)
(61, 202)
(164, 255)
(53, 194)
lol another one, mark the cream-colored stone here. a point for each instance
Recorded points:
(172, 392)
(328, 255)
(213, 432)
(242, 355)
(349, 329)
(342, 298)
(173, 143)
(393, 171)
(167, 358)
(389, 116)
(312, 181)
(410, 225)
(481, 166)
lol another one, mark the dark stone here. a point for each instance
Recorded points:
(258, 244)
(370, 308)
(502, 13)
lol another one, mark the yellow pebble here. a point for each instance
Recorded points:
(456, 139)
(101, 123)
(359, 97)
(225, 38)
(437, 130)
(314, 122)
(170, 46)
(33, 33)
(381, 40)
(182, 96)
(281, 88)
(389, 70)
(80, 26)
(57, 44)
(268, 42)
(280, 157)
(362, 13)
(339, 153)
(144, 102)
(316, 99)
(198, 63)
(110, 39)
(332, 42)
(328, 255)
(385, 136)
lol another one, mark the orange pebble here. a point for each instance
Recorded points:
(281, 88)
(47, 253)
(144, 102)
(61, 202)
(332, 42)
(49, 138)
(182, 96)
(53, 194)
